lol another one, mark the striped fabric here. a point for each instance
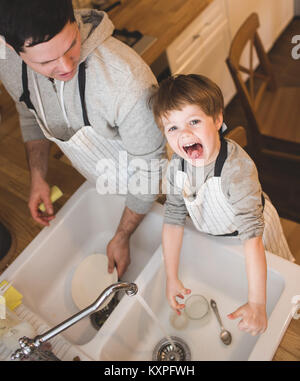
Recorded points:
(273, 237)
(86, 148)
(100, 160)
(211, 213)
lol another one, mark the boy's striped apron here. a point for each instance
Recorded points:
(211, 212)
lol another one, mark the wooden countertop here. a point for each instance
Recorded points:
(163, 19)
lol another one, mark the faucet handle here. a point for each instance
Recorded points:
(17, 355)
(27, 346)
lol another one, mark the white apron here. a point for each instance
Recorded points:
(211, 212)
(86, 147)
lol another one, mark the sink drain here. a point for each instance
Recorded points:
(164, 350)
(98, 318)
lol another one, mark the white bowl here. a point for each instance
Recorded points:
(90, 279)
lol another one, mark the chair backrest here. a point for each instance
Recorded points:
(252, 88)
(239, 135)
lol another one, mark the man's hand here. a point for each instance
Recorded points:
(40, 192)
(254, 318)
(118, 248)
(37, 152)
(118, 254)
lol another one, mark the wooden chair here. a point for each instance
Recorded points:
(239, 135)
(271, 111)
(273, 132)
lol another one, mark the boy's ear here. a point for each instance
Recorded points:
(219, 120)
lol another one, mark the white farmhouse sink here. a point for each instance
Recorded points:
(44, 270)
(213, 267)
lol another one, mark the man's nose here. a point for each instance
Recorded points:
(66, 64)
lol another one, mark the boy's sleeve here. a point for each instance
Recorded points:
(175, 210)
(241, 185)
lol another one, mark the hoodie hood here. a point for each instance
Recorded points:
(95, 27)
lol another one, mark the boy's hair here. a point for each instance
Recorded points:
(34, 20)
(180, 90)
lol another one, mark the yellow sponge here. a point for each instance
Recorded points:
(55, 194)
(13, 298)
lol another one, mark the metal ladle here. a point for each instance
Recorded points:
(225, 335)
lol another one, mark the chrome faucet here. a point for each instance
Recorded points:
(29, 345)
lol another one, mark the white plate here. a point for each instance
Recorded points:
(90, 279)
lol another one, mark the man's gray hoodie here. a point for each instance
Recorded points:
(118, 84)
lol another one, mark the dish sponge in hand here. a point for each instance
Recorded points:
(13, 298)
(55, 194)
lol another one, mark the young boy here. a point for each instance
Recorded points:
(214, 181)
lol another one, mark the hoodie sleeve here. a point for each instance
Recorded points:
(29, 126)
(142, 139)
(11, 77)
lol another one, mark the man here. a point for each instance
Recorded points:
(76, 85)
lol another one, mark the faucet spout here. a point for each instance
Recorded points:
(129, 288)
(29, 345)
(132, 289)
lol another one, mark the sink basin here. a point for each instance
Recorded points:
(215, 268)
(44, 271)
(211, 266)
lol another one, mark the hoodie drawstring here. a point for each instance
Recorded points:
(62, 103)
(40, 103)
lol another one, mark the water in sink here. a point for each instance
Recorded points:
(148, 309)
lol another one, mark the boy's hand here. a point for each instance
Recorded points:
(176, 289)
(254, 318)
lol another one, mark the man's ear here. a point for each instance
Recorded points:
(9, 46)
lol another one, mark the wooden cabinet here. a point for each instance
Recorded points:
(202, 48)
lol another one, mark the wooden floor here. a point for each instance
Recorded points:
(15, 184)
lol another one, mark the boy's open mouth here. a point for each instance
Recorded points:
(194, 150)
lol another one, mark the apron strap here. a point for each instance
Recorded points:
(221, 158)
(234, 234)
(81, 83)
(263, 200)
(25, 97)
